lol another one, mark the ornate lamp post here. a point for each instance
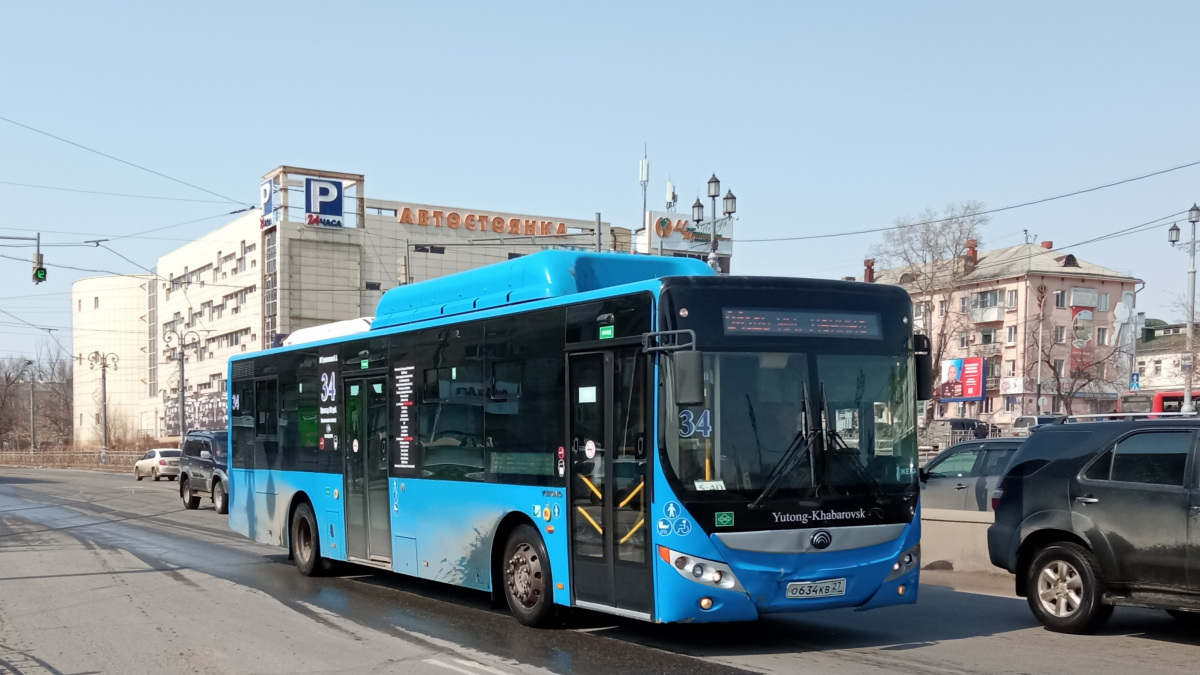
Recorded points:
(729, 207)
(184, 340)
(1190, 247)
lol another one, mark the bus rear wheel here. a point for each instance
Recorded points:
(304, 542)
(528, 585)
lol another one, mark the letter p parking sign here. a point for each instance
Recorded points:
(323, 202)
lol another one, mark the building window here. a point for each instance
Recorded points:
(1102, 336)
(964, 304)
(941, 308)
(986, 405)
(1157, 367)
(80, 306)
(96, 302)
(1101, 371)
(1010, 403)
(1102, 303)
(1010, 368)
(1141, 367)
(1056, 406)
(422, 248)
(918, 310)
(963, 341)
(1060, 334)
(989, 298)
(1058, 367)
(1012, 335)
(989, 336)
(1012, 300)
(1060, 299)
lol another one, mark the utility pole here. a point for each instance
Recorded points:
(599, 235)
(105, 361)
(32, 437)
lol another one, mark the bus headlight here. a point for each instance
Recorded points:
(905, 563)
(700, 570)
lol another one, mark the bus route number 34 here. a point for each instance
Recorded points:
(689, 423)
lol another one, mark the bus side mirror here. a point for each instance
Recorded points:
(923, 362)
(689, 377)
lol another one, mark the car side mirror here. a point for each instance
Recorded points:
(204, 454)
(923, 474)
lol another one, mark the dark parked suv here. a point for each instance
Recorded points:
(1098, 514)
(204, 469)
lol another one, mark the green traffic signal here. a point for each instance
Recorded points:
(39, 274)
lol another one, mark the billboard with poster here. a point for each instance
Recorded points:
(962, 379)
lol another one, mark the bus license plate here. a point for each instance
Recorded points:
(817, 589)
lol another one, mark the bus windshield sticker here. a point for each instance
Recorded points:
(710, 485)
(589, 449)
(690, 424)
(587, 394)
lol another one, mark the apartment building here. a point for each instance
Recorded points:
(1040, 330)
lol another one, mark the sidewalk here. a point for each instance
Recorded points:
(999, 584)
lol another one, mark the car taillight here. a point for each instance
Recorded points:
(162, 462)
(996, 495)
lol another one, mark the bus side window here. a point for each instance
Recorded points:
(451, 428)
(266, 420)
(241, 424)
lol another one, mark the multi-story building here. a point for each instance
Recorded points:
(1034, 329)
(1161, 358)
(318, 251)
(108, 333)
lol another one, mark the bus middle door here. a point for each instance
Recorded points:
(364, 453)
(608, 487)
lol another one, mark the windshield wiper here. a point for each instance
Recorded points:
(801, 444)
(837, 448)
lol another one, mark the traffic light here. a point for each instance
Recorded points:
(39, 271)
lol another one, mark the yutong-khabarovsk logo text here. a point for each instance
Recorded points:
(819, 516)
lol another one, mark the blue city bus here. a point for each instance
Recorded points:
(628, 434)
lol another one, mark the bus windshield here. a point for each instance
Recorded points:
(729, 447)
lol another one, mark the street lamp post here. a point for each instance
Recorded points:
(32, 428)
(729, 207)
(105, 361)
(1190, 247)
(188, 338)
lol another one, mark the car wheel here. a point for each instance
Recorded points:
(304, 542)
(220, 498)
(154, 473)
(171, 478)
(137, 474)
(190, 501)
(1065, 589)
(1189, 619)
(527, 581)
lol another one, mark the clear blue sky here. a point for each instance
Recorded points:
(821, 117)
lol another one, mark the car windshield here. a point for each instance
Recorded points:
(752, 421)
(220, 444)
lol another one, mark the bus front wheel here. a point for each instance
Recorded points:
(305, 544)
(528, 586)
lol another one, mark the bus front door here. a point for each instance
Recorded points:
(610, 542)
(364, 453)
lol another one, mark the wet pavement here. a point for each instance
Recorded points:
(99, 573)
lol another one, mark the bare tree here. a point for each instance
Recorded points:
(56, 396)
(14, 372)
(928, 257)
(1074, 371)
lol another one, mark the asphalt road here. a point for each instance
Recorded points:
(99, 573)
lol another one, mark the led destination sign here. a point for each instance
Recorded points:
(860, 325)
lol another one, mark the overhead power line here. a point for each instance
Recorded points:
(112, 194)
(123, 161)
(1010, 207)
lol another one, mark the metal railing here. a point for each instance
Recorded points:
(60, 458)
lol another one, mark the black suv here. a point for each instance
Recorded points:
(203, 469)
(1098, 514)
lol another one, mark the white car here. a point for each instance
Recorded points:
(158, 463)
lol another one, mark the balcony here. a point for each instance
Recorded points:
(987, 314)
(992, 383)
